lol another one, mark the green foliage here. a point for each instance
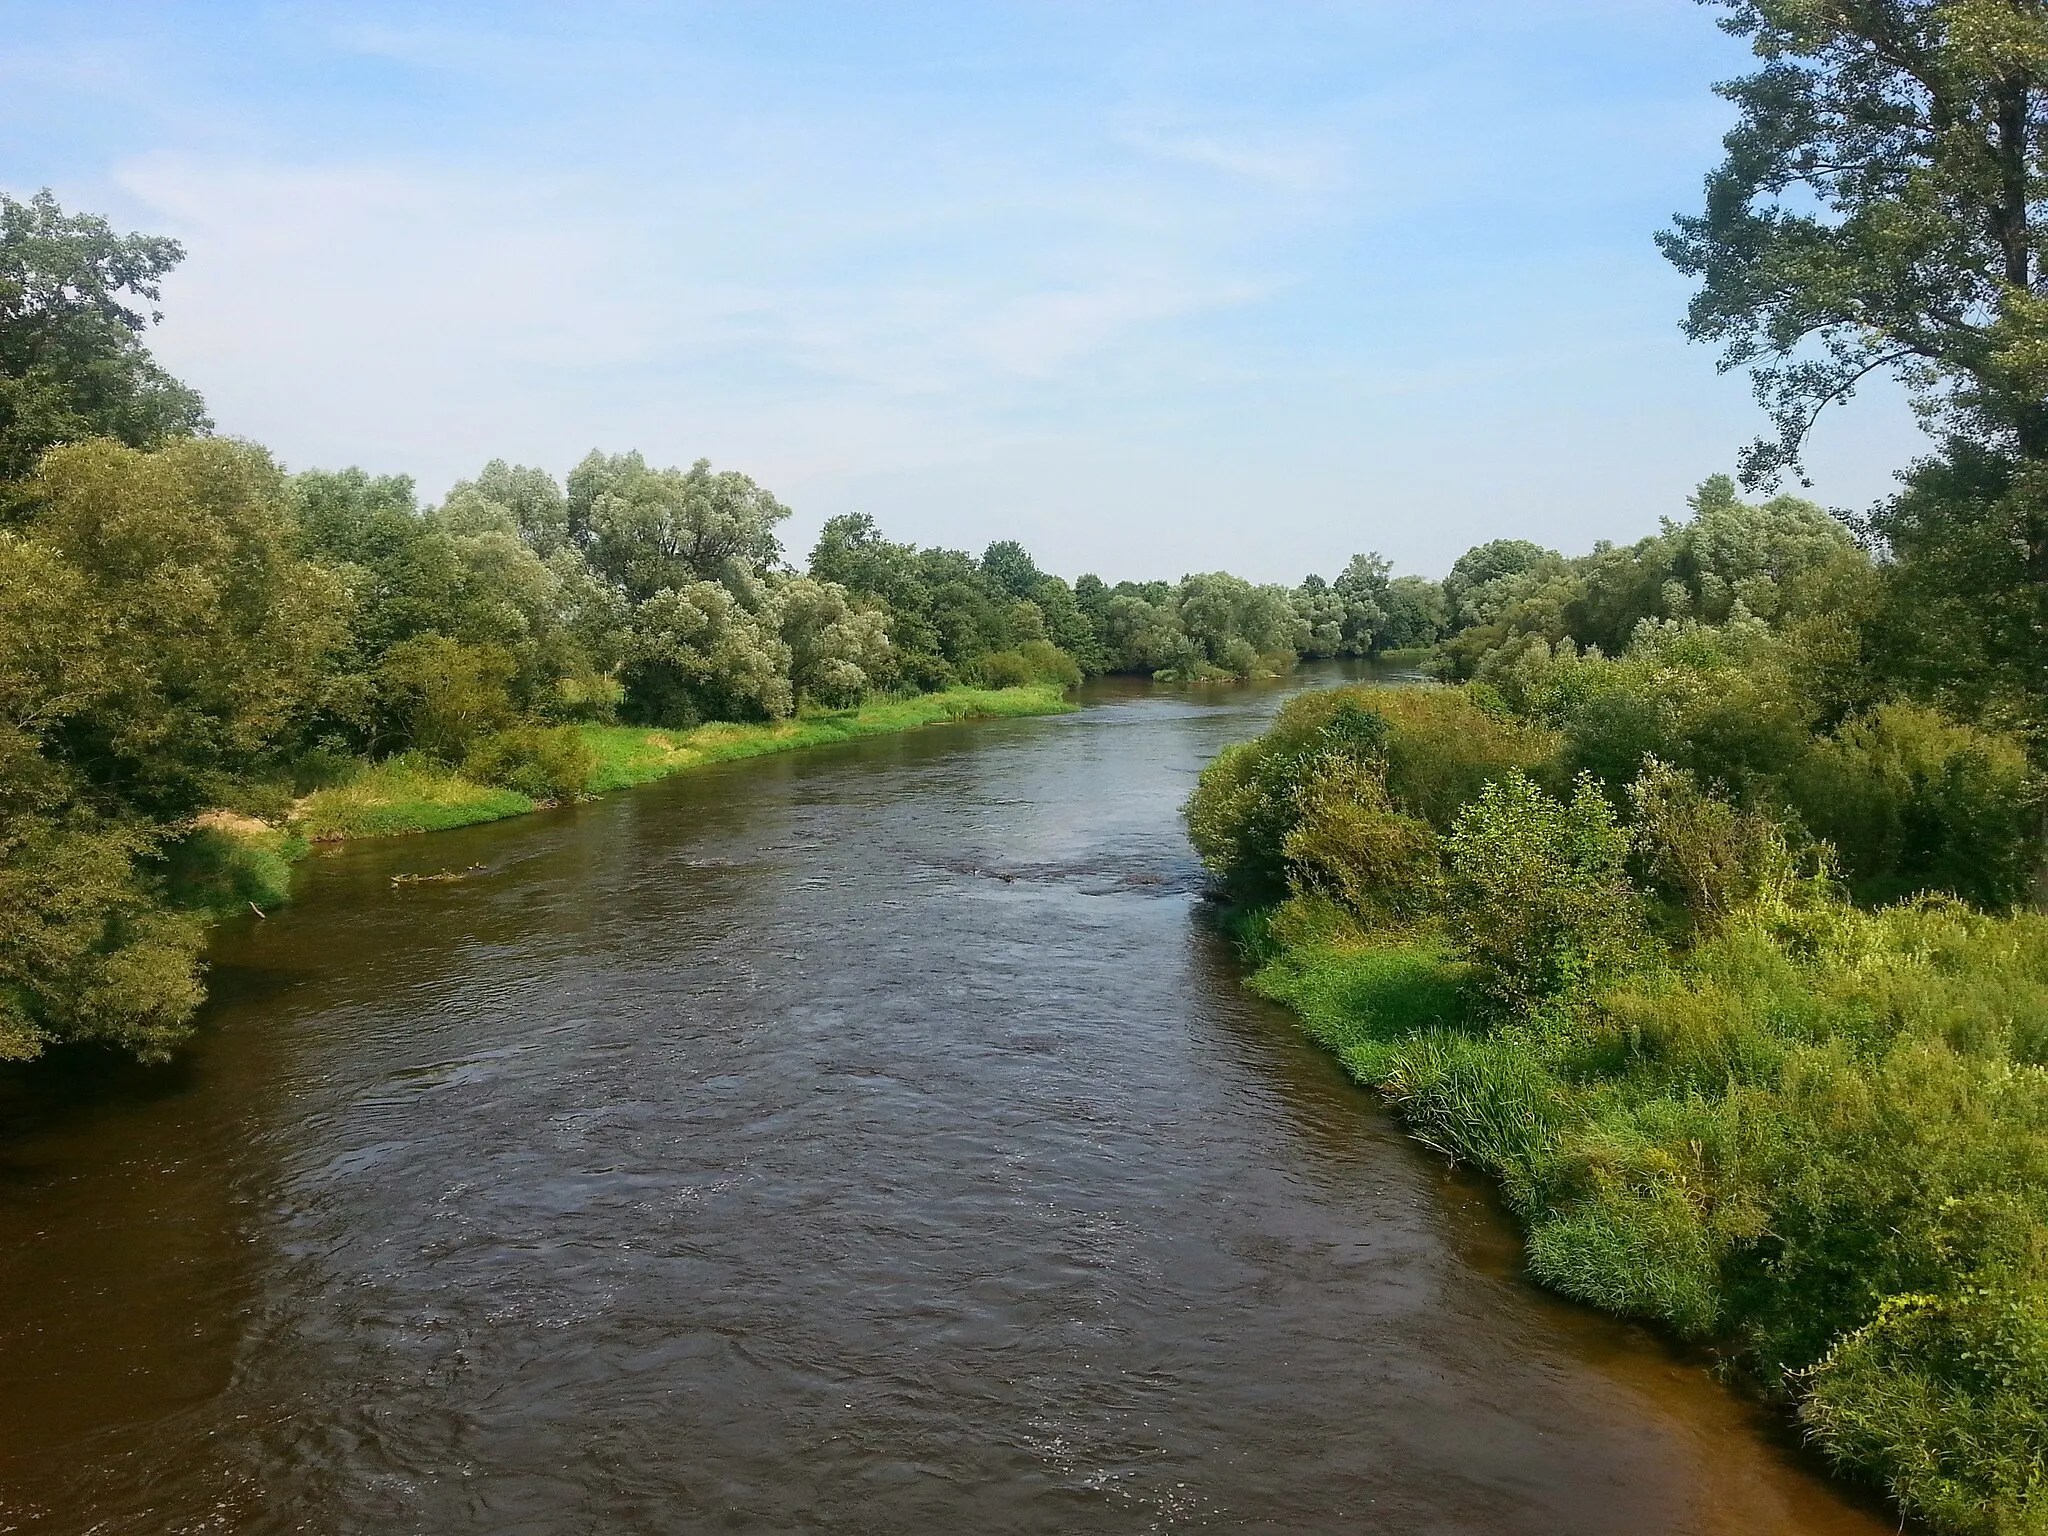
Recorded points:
(951, 617)
(443, 695)
(627, 755)
(836, 651)
(702, 654)
(72, 365)
(1820, 1137)
(88, 948)
(1539, 893)
(1815, 1134)
(1949, 1395)
(203, 635)
(651, 531)
(1445, 747)
(1350, 845)
(1915, 802)
(1248, 801)
(1878, 209)
(541, 762)
(1701, 851)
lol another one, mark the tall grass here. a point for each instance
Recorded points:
(1819, 1139)
(400, 795)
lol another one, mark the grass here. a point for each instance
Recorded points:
(1820, 1144)
(400, 795)
(411, 794)
(628, 755)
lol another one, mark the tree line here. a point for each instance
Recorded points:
(190, 633)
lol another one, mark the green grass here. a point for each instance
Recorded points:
(628, 755)
(400, 795)
(409, 794)
(1818, 1139)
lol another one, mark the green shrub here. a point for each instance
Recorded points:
(540, 762)
(1351, 846)
(1946, 1397)
(998, 669)
(1539, 895)
(1443, 748)
(1047, 663)
(441, 695)
(1913, 801)
(1248, 799)
(1699, 849)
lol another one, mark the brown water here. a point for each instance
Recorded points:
(869, 1139)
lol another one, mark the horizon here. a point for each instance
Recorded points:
(1113, 288)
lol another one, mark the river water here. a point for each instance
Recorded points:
(873, 1139)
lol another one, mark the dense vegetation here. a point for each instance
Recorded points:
(1710, 949)
(1697, 907)
(205, 660)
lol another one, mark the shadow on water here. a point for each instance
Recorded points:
(868, 1139)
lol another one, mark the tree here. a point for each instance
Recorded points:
(1879, 210)
(468, 571)
(1011, 569)
(1415, 613)
(218, 632)
(1363, 588)
(71, 363)
(700, 654)
(539, 512)
(443, 695)
(836, 650)
(1232, 626)
(654, 530)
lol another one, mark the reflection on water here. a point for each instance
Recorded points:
(868, 1139)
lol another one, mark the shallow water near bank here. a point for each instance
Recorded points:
(869, 1139)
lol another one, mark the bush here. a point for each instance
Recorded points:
(442, 695)
(998, 669)
(1540, 896)
(1443, 748)
(540, 762)
(1049, 664)
(1249, 799)
(1949, 1395)
(1913, 801)
(1350, 845)
(1699, 849)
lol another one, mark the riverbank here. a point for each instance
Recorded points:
(1825, 1158)
(1719, 1096)
(411, 794)
(687, 1066)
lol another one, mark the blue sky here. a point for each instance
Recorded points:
(1152, 287)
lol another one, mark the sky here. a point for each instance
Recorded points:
(1150, 287)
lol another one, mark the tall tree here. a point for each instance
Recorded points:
(72, 364)
(1880, 209)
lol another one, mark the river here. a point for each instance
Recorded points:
(871, 1139)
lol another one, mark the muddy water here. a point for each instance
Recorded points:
(871, 1139)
